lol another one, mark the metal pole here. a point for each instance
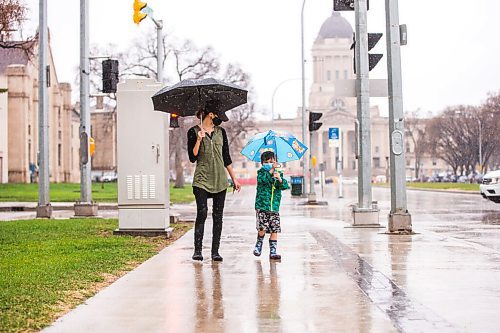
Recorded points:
(340, 164)
(399, 218)
(159, 45)
(312, 193)
(44, 208)
(304, 119)
(480, 146)
(85, 164)
(363, 106)
(274, 93)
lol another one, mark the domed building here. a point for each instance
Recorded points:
(332, 60)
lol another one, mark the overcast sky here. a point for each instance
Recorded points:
(452, 56)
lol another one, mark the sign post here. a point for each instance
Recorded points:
(335, 140)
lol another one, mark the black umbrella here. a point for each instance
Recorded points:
(189, 96)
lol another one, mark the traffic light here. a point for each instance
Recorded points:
(346, 5)
(109, 76)
(313, 117)
(138, 14)
(374, 58)
(174, 120)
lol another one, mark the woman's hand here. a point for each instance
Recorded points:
(201, 134)
(236, 185)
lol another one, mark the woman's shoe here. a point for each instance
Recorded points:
(197, 255)
(216, 257)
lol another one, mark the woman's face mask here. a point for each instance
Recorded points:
(217, 121)
(267, 166)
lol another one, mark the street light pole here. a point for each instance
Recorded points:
(399, 217)
(159, 46)
(480, 146)
(304, 161)
(85, 207)
(274, 93)
(44, 209)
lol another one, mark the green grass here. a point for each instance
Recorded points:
(68, 192)
(441, 186)
(49, 266)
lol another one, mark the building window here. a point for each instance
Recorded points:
(408, 150)
(354, 165)
(328, 75)
(257, 164)
(377, 149)
(376, 162)
(345, 74)
(59, 135)
(337, 75)
(434, 162)
(408, 162)
(59, 151)
(244, 165)
(29, 129)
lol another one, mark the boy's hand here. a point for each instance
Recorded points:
(278, 177)
(236, 186)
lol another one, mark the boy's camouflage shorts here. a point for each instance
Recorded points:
(268, 221)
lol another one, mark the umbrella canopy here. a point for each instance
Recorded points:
(188, 96)
(285, 146)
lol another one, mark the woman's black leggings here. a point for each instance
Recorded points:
(202, 197)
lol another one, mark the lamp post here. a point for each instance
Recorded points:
(304, 168)
(274, 93)
(480, 146)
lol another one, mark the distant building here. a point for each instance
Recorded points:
(19, 121)
(103, 130)
(332, 62)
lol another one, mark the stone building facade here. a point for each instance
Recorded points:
(19, 121)
(333, 62)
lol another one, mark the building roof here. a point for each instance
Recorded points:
(335, 26)
(14, 56)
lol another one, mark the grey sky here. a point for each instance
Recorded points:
(452, 56)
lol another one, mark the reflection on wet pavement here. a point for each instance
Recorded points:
(406, 314)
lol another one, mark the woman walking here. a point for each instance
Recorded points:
(209, 148)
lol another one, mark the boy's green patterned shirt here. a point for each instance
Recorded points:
(268, 196)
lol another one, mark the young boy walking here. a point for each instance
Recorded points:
(270, 183)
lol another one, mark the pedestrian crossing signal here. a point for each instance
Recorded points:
(174, 120)
(138, 14)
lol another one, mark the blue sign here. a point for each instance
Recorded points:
(334, 133)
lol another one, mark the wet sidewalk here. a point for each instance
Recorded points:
(331, 279)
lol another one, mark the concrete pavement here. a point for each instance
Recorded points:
(331, 278)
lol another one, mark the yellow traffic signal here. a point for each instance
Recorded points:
(313, 161)
(91, 146)
(138, 15)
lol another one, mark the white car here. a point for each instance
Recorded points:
(490, 188)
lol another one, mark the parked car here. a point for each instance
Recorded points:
(109, 177)
(490, 187)
(349, 180)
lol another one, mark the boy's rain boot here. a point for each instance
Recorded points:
(258, 246)
(273, 246)
(198, 242)
(217, 231)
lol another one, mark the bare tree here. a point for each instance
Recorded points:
(453, 137)
(182, 60)
(12, 15)
(489, 120)
(416, 132)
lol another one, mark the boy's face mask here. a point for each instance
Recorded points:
(267, 166)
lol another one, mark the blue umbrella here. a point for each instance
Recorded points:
(284, 145)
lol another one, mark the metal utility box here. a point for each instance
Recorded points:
(297, 185)
(143, 161)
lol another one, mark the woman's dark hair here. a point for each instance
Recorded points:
(266, 156)
(210, 106)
